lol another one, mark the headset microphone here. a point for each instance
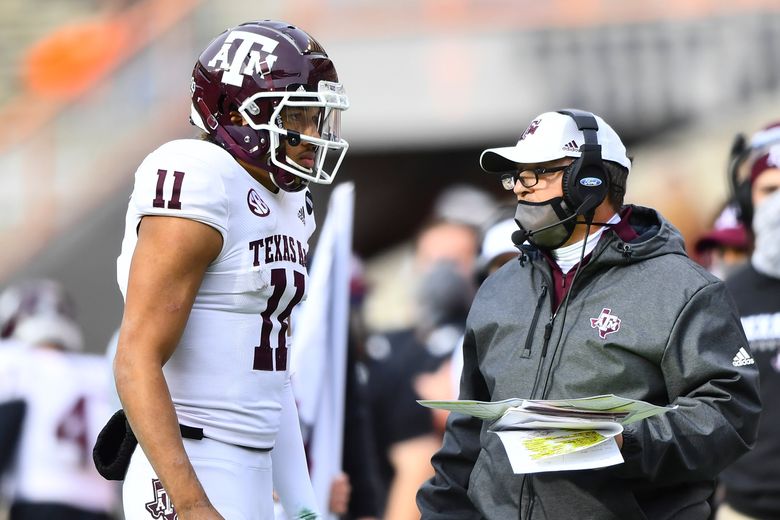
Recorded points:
(519, 237)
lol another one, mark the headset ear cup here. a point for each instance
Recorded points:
(568, 183)
(584, 189)
(743, 196)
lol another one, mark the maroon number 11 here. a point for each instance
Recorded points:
(174, 203)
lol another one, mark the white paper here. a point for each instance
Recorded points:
(517, 418)
(557, 435)
(602, 454)
(636, 410)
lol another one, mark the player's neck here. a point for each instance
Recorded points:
(260, 175)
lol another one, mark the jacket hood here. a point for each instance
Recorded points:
(657, 236)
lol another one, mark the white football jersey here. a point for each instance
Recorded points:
(230, 367)
(67, 403)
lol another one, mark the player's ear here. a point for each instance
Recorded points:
(236, 118)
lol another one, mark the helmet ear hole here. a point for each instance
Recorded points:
(253, 143)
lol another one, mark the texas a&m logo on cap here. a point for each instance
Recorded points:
(253, 56)
(531, 128)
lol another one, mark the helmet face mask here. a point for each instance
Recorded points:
(285, 88)
(310, 119)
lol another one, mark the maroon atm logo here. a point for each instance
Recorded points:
(256, 204)
(531, 129)
(161, 507)
(607, 323)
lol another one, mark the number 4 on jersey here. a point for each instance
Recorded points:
(72, 428)
(174, 202)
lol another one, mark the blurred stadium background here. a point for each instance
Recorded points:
(89, 87)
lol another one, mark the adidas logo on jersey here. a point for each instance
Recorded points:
(302, 215)
(571, 146)
(742, 358)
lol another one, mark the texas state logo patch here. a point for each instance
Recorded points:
(607, 323)
(160, 507)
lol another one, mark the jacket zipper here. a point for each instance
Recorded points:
(527, 353)
(547, 334)
(530, 337)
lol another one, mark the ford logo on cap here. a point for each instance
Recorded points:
(590, 181)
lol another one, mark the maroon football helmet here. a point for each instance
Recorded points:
(281, 81)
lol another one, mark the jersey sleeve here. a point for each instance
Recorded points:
(176, 183)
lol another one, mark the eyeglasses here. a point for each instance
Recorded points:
(529, 177)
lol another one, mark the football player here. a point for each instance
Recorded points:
(212, 264)
(53, 401)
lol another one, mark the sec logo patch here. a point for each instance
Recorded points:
(256, 204)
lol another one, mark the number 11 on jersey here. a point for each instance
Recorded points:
(174, 202)
(275, 319)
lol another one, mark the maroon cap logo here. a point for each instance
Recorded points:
(531, 128)
(161, 506)
(256, 204)
(606, 323)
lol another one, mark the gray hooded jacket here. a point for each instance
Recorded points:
(671, 337)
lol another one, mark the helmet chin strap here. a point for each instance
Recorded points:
(287, 181)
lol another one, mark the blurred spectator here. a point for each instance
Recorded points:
(359, 479)
(752, 484)
(466, 204)
(726, 246)
(497, 248)
(56, 398)
(405, 437)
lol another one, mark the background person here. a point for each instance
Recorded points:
(64, 398)
(404, 433)
(752, 484)
(538, 329)
(726, 246)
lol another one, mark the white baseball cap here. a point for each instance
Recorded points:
(550, 136)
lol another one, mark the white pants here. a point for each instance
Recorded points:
(725, 512)
(237, 481)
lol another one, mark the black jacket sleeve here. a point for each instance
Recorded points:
(11, 421)
(717, 398)
(444, 496)
(357, 461)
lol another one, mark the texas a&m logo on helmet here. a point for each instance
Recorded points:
(252, 56)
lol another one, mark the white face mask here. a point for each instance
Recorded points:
(766, 226)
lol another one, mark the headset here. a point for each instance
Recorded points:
(740, 189)
(585, 182)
